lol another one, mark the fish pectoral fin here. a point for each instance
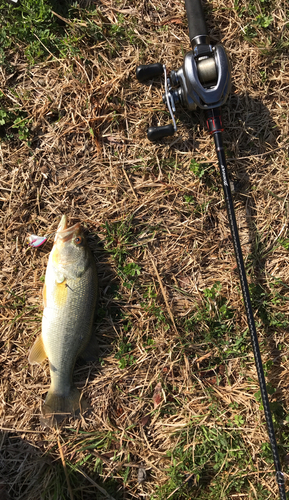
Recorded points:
(57, 406)
(37, 353)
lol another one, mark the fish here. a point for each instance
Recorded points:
(70, 296)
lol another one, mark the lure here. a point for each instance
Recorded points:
(35, 241)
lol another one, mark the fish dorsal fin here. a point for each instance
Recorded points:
(37, 353)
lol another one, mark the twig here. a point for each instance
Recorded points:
(103, 491)
(46, 48)
(127, 178)
(22, 431)
(62, 18)
(12, 187)
(65, 469)
(259, 155)
(164, 296)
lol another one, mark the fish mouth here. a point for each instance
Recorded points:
(65, 233)
(62, 226)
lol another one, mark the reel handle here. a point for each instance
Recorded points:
(146, 72)
(196, 20)
(156, 133)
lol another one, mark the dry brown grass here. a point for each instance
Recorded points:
(89, 158)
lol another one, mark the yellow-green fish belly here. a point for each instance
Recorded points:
(67, 323)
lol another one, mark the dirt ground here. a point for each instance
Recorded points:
(174, 352)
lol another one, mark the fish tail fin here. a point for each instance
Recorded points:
(57, 407)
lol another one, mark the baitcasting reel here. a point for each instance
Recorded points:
(203, 80)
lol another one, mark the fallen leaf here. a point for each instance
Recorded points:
(157, 397)
(210, 381)
(119, 411)
(108, 455)
(222, 370)
(145, 420)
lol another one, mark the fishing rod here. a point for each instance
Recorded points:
(204, 81)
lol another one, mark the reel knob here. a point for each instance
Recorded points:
(156, 133)
(146, 72)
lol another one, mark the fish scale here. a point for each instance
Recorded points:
(67, 315)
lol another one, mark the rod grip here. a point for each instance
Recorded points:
(196, 19)
(156, 133)
(146, 72)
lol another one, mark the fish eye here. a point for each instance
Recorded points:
(78, 240)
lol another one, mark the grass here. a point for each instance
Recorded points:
(174, 391)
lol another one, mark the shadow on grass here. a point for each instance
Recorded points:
(28, 474)
(108, 318)
(63, 7)
(248, 127)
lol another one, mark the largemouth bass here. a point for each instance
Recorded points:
(69, 300)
